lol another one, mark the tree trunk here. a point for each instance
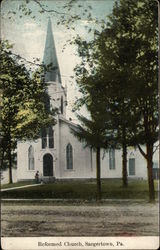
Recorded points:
(124, 165)
(124, 158)
(150, 172)
(98, 165)
(2, 157)
(10, 163)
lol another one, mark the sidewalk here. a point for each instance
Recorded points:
(7, 189)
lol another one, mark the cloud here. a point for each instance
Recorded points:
(86, 22)
(36, 33)
(30, 25)
(59, 34)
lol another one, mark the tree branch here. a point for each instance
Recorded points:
(22, 58)
(141, 151)
(50, 11)
(156, 147)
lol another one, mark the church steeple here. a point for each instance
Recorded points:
(50, 57)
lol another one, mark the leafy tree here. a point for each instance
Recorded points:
(139, 18)
(102, 63)
(94, 131)
(23, 109)
(124, 57)
(112, 66)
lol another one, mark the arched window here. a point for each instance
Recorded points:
(132, 165)
(44, 138)
(47, 102)
(51, 137)
(61, 104)
(69, 156)
(31, 158)
(112, 158)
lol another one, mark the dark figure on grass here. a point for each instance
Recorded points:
(37, 177)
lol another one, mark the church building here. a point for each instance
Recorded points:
(58, 154)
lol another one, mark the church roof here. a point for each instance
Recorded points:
(62, 119)
(50, 57)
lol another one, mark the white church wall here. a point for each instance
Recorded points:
(23, 171)
(22, 159)
(140, 163)
(106, 171)
(84, 165)
(81, 155)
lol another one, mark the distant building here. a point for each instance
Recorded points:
(58, 154)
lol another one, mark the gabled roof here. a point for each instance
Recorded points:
(62, 119)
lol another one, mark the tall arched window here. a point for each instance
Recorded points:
(51, 137)
(47, 102)
(112, 158)
(31, 158)
(132, 165)
(69, 156)
(44, 138)
(61, 104)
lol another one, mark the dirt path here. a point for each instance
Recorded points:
(120, 219)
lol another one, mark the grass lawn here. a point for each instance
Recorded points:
(111, 189)
(17, 184)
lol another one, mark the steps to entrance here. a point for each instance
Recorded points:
(47, 179)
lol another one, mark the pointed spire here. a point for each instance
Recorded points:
(51, 57)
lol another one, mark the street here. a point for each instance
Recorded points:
(122, 218)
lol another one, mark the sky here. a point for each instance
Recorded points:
(28, 35)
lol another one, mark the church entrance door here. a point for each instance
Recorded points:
(47, 165)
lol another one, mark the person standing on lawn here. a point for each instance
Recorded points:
(37, 177)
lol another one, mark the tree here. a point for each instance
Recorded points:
(23, 111)
(112, 62)
(101, 57)
(141, 20)
(125, 57)
(93, 131)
